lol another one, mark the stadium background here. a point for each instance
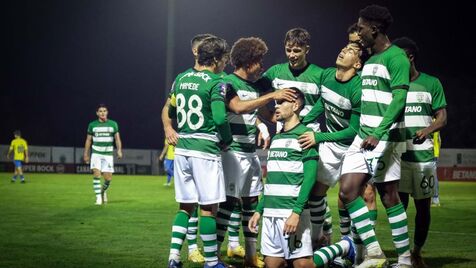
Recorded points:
(62, 58)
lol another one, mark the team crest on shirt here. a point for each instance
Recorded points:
(375, 70)
(288, 143)
(341, 102)
(420, 97)
(223, 87)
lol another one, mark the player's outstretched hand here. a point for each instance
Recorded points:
(285, 94)
(253, 223)
(291, 224)
(307, 140)
(369, 143)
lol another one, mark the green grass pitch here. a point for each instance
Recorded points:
(51, 221)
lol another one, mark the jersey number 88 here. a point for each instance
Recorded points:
(187, 109)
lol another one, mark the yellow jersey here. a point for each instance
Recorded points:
(436, 143)
(19, 147)
(170, 151)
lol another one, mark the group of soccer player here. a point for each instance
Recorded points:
(379, 110)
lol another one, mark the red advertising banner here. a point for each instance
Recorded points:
(457, 173)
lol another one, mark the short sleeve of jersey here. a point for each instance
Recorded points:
(90, 129)
(269, 75)
(116, 128)
(399, 70)
(438, 98)
(218, 92)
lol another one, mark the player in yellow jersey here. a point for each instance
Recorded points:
(167, 156)
(19, 147)
(435, 201)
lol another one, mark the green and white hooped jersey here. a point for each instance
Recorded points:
(424, 98)
(103, 136)
(243, 126)
(308, 82)
(192, 96)
(285, 172)
(340, 99)
(381, 74)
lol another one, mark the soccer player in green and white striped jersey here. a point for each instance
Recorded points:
(286, 228)
(102, 133)
(375, 152)
(425, 101)
(198, 104)
(340, 100)
(241, 165)
(297, 72)
(171, 135)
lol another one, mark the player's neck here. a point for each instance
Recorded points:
(291, 122)
(241, 73)
(381, 43)
(344, 74)
(202, 68)
(414, 73)
(102, 120)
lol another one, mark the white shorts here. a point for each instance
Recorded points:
(382, 163)
(275, 244)
(198, 180)
(418, 179)
(242, 174)
(330, 162)
(103, 163)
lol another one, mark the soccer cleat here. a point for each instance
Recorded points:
(254, 262)
(238, 251)
(174, 264)
(435, 205)
(195, 256)
(23, 181)
(98, 201)
(374, 262)
(13, 181)
(417, 260)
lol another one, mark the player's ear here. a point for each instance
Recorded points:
(308, 48)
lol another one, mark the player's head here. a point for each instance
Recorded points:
(196, 40)
(373, 20)
(353, 33)
(350, 57)
(297, 45)
(213, 52)
(101, 112)
(286, 110)
(409, 46)
(17, 133)
(247, 54)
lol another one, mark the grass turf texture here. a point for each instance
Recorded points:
(51, 221)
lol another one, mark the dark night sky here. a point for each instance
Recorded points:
(62, 58)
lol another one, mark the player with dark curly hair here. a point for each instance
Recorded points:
(241, 165)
